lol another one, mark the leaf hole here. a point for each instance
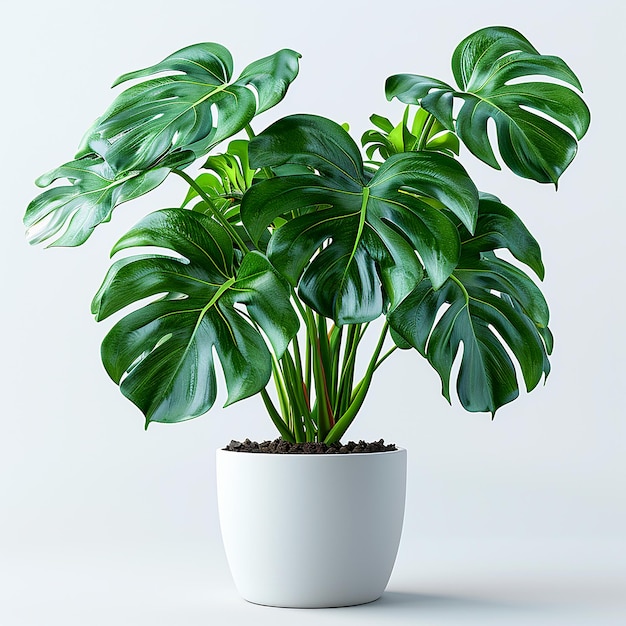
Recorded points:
(539, 78)
(151, 250)
(440, 313)
(215, 115)
(546, 117)
(51, 227)
(519, 376)
(145, 354)
(492, 134)
(255, 92)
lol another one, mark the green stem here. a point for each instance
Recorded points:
(336, 336)
(428, 125)
(293, 387)
(343, 423)
(216, 213)
(346, 379)
(224, 287)
(297, 357)
(322, 375)
(308, 355)
(285, 433)
(281, 392)
(385, 357)
(364, 327)
(299, 305)
(249, 131)
(307, 316)
(233, 195)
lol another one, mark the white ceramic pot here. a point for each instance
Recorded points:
(311, 530)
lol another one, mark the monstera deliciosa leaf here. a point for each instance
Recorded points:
(68, 214)
(486, 305)
(487, 67)
(161, 354)
(351, 237)
(194, 109)
(153, 127)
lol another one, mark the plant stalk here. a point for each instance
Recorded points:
(343, 423)
(217, 214)
(428, 125)
(284, 431)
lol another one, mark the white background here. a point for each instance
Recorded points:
(516, 521)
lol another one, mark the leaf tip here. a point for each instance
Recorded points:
(118, 81)
(95, 307)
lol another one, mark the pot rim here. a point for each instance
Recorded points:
(313, 455)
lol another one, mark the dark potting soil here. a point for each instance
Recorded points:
(280, 446)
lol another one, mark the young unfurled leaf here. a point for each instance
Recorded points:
(420, 136)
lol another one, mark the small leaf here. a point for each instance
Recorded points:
(400, 139)
(381, 122)
(445, 142)
(209, 183)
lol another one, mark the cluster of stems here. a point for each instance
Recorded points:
(317, 389)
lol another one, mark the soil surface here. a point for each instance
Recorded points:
(280, 446)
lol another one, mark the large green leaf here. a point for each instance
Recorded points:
(485, 305)
(154, 126)
(194, 109)
(351, 238)
(484, 66)
(161, 354)
(68, 214)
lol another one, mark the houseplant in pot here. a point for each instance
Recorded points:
(288, 248)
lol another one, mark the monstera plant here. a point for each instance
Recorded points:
(290, 243)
